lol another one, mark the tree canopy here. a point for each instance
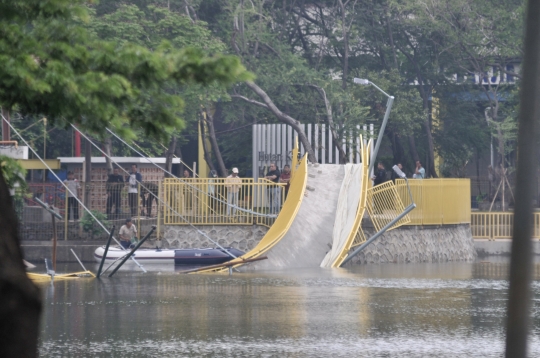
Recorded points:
(53, 65)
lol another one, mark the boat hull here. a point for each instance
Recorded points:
(192, 257)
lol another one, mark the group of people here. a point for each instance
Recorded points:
(233, 183)
(114, 186)
(380, 173)
(274, 193)
(116, 183)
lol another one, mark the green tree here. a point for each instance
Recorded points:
(51, 66)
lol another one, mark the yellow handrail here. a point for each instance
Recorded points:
(438, 201)
(210, 201)
(498, 225)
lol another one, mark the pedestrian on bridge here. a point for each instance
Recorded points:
(72, 186)
(274, 190)
(233, 184)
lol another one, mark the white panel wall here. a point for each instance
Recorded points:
(274, 143)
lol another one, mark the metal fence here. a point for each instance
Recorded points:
(199, 201)
(498, 225)
(110, 203)
(438, 201)
(384, 204)
(207, 201)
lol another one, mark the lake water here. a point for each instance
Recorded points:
(391, 310)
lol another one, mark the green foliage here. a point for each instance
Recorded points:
(13, 172)
(53, 66)
(151, 62)
(90, 225)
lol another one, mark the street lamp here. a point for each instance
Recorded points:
(364, 82)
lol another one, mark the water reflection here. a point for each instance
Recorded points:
(390, 310)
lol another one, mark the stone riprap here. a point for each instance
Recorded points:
(417, 244)
(242, 237)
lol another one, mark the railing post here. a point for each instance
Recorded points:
(158, 207)
(138, 211)
(66, 216)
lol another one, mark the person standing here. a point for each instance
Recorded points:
(420, 172)
(233, 184)
(115, 183)
(128, 234)
(286, 178)
(133, 179)
(148, 193)
(274, 190)
(72, 189)
(380, 174)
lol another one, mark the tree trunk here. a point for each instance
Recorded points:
(412, 148)
(20, 299)
(282, 117)
(213, 142)
(107, 144)
(6, 130)
(169, 156)
(345, 35)
(330, 119)
(88, 172)
(397, 148)
(207, 154)
(430, 165)
(431, 150)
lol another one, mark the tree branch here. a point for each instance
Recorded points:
(282, 117)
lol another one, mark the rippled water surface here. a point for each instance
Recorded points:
(443, 310)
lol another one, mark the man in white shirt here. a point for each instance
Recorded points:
(72, 188)
(128, 234)
(133, 179)
(419, 173)
(233, 184)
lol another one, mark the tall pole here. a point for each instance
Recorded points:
(87, 172)
(364, 82)
(381, 131)
(54, 242)
(519, 298)
(6, 133)
(77, 144)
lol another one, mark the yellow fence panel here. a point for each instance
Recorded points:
(209, 201)
(415, 216)
(438, 201)
(432, 213)
(498, 225)
(384, 205)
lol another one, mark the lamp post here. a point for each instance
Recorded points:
(364, 82)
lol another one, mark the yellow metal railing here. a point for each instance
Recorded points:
(438, 201)
(384, 204)
(498, 225)
(209, 201)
